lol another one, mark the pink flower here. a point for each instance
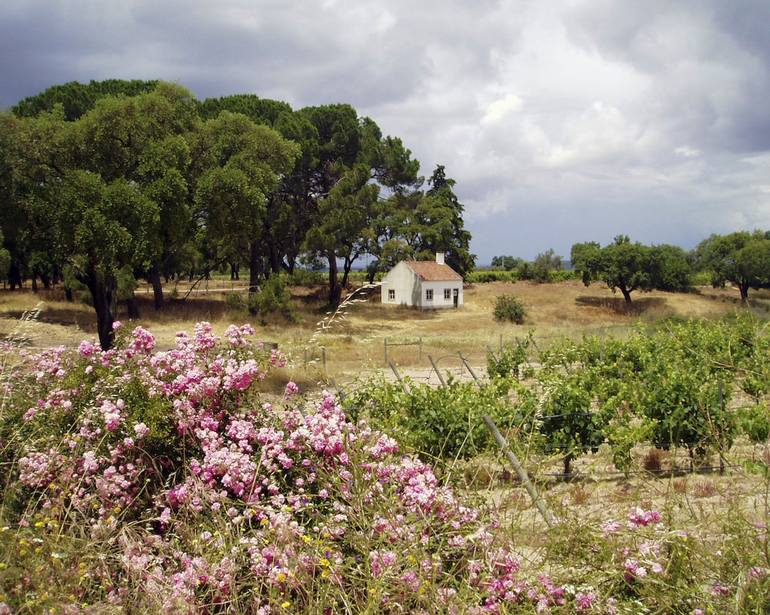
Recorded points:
(584, 601)
(141, 430)
(86, 348)
(639, 517)
(291, 389)
(116, 325)
(719, 590)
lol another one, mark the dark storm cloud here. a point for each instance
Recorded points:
(561, 121)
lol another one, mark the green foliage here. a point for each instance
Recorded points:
(754, 422)
(507, 362)
(741, 258)
(304, 277)
(628, 266)
(509, 308)
(273, 298)
(485, 276)
(543, 266)
(446, 422)
(568, 424)
(5, 259)
(258, 110)
(76, 99)
(562, 275)
(670, 268)
(507, 263)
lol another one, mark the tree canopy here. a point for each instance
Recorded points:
(628, 266)
(104, 183)
(741, 258)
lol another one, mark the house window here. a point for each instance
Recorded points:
(429, 295)
(391, 294)
(447, 294)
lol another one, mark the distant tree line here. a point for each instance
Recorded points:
(741, 258)
(107, 183)
(540, 270)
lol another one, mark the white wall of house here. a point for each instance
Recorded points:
(440, 298)
(402, 286)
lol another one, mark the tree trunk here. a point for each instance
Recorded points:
(157, 287)
(348, 265)
(254, 270)
(626, 295)
(46, 281)
(34, 283)
(14, 276)
(101, 294)
(567, 464)
(68, 294)
(744, 288)
(335, 290)
(132, 306)
(275, 258)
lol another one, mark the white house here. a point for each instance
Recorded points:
(424, 284)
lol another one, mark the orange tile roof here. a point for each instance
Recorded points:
(431, 271)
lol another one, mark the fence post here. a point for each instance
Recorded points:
(419, 351)
(386, 351)
(475, 377)
(323, 358)
(522, 473)
(398, 377)
(501, 343)
(438, 373)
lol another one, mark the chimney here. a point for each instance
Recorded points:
(440, 258)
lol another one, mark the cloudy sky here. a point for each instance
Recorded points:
(561, 121)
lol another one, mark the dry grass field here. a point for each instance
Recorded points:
(356, 338)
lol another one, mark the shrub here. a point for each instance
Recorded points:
(483, 277)
(159, 481)
(561, 275)
(236, 302)
(510, 308)
(305, 277)
(446, 422)
(273, 298)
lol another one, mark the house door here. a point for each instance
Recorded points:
(456, 295)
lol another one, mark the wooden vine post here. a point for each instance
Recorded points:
(548, 517)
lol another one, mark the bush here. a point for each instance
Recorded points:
(510, 308)
(273, 298)
(443, 423)
(483, 277)
(236, 302)
(158, 481)
(305, 277)
(561, 275)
